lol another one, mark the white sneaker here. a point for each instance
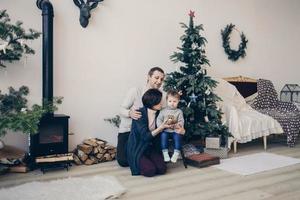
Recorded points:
(166, 155)
(175, 156)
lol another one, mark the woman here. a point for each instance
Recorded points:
(143, 147)
(128, 111)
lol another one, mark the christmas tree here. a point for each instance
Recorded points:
(12, 39)
(198, 102)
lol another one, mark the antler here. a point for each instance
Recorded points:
(94, 3)
(78, 3)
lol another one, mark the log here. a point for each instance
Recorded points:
(111, 151)
(100, 140)
(99, 155)
(107, 157)
(95, 150)
(101, 150)
(109, 147)
(85, 148)
(91, 142)
(88, 162)
(101, 143)
(76, 160)
(81, 155)
(102, 159)
(113, 156)
(94, 159)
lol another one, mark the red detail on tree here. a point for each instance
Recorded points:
(192, 13)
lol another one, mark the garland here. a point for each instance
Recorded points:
(233, 55)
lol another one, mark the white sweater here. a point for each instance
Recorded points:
(133, 100)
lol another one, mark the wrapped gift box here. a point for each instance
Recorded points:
(202, 160)
(212, 142)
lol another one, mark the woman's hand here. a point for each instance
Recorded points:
(179, 129)
(135, 114)
(165, 125)
(159, 129)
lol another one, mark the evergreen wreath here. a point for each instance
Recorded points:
(233, 55)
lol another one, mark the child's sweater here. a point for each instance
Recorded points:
(170, 113)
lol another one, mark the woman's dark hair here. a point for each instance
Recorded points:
(153, 69)
(151, 98)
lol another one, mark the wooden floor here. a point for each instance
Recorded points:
(192, 183)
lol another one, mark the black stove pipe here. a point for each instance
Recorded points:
(47, 23)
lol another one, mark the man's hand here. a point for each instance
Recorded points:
(135, 114)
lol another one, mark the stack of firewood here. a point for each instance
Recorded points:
(93, 151)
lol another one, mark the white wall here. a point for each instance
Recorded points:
(95, 66)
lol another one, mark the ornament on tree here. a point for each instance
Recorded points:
(22, 42)
(206, 119)
(199, 72)
(3, 46)
(207, 92)
(194, 46)
(193, 98)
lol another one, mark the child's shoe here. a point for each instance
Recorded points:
(175, 156)
(166, 155)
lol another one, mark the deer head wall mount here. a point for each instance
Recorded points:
(85, 10)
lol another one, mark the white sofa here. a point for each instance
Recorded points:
(244, 123)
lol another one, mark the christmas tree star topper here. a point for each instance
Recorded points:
(192, 13)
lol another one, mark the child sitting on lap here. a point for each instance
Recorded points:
(174, 117)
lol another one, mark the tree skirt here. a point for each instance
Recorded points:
(77, 188)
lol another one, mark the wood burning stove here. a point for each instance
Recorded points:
(52, 137)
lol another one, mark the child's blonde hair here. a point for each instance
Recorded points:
(173, 93)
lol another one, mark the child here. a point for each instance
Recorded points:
(174, 117)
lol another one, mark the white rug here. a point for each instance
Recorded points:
(77, 188)
(255, 163)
